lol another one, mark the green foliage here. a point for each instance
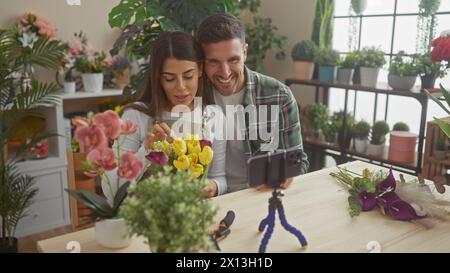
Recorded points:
(354, 207)
(17, 193)
(400, 126)
(317, 115)
(261, 37)
(349, 61)
(97, 65)
(426, 67)
(371, 57)
(443, 124)
(426, 24)
(322, 34)
(329, 131)
(168, 209)
(361, 130)
(402, 68)
(379, 131)
(325, 56)
(98, 203)
(304, 51)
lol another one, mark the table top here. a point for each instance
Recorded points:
(317, 205)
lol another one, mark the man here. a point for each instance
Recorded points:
(222, 38)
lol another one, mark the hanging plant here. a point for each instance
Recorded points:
(426, 24)
(353, 25)
(358, 6)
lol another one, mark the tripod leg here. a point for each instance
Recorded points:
(290, 228)
(264, 222)
(270, 221)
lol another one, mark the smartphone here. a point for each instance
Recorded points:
(275, 167)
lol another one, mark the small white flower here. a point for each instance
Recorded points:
(28, 39)
(445, 33)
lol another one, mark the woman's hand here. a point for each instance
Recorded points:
(211, 189)
(160, 131)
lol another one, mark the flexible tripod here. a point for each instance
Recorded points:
(275, 204)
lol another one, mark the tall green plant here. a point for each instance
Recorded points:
(322, 33)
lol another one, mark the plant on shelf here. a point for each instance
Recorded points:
(330, 132)
(317, 116)
(121, 70)
(429, 71)
(322, 34)
(21, 96)
(303, 54)
(360, 132)
(402, 74)
(346, 68)
(426, 24)
(370, 60)
(116, 168)
(327, 59)
(378, 138)
(169, 210)
(344, 132)
(400, 126)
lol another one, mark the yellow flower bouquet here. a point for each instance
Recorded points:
(190, 154)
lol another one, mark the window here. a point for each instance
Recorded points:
(391, 26)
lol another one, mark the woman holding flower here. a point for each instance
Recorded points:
(174, 81)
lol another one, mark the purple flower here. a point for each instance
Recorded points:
(204, 143)
(367, 200)
(159, 158)
(388, 183)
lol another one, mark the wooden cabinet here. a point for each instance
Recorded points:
(431, 166)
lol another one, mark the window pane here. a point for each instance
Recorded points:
(341, 34)
(364, 106)
(405, 34)
(380, 7)
(407, 6)
(341, 7)
(376, 31)
(445, 5)
(443, 23)
(410, 112)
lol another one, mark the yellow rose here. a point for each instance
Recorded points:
(166, 147)
(179, 146)
(197, 170)
(194, 147)
(182, 163)
(193, 159)
(206, 155)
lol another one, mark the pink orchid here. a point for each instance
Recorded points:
(80, 121)
(127, 127)
(90, 137)
(157, 157)
(76, 45)
(102, 158)
(130, 166)
(109, 121)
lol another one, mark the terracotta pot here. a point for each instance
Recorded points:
(303, 70)
(402, 146)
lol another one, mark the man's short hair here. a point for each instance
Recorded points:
(220, 27)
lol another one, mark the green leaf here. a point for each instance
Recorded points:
(444, 125)
(354, 206)
(437, 101)
(92, 201)
(122, 14)
(446, 95)
(120, 196)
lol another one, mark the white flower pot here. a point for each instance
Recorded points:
(401, 82)
(69, 87)
(369, 76)
(360, 145)
(375, 150)
(112, 233)
(93, 82)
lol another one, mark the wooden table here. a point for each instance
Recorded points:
(317, 205)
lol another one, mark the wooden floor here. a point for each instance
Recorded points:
(28, 244)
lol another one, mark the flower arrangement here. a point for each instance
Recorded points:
(87, 59)
(37, 25)
(441, 48)
(183, 154)
(400, 200)
(93, 134)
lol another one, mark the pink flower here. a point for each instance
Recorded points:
(127, 127)
(90, 137)
(45, 28)
(89, 50)
(102, 158)
(80, 121)
(130, 166)
(109, 121)
(76, 45)
(204, 143)
(156, 157)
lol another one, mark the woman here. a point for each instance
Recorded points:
(175, 79)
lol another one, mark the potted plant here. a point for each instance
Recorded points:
(121, 69)
(93, 134)
(360, 133)
(344, 136)
(429, 71)
(359, 6)
(402, 143)
(317, 116)
(370, 60)
(378, 138)
(402, 74)
(170, 211)
(330, 132)
(426, 23)
(89, 63)
(346, 68)
(327, 59)
(303, 54)
(440, 151)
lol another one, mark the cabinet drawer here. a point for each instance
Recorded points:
(43, 215)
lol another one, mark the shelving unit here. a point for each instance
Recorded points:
(344, 155)
(83, 95)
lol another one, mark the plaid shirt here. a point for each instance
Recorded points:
(264, 90)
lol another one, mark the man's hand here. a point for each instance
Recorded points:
(284, 185)
(211, 189)
(160, 131)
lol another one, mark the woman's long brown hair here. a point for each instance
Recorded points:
(178, 45)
